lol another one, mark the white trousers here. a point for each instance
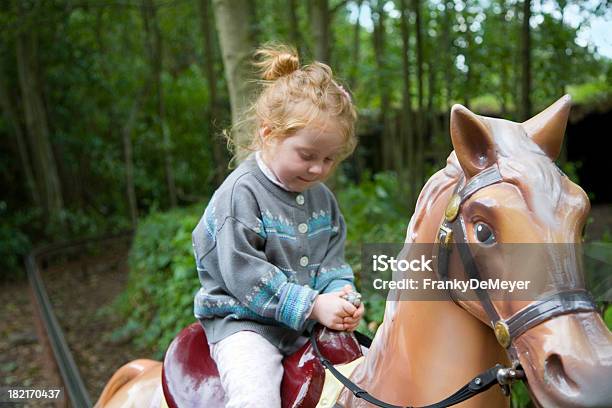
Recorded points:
(251, 370)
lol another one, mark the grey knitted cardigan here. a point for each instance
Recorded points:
(263, 254)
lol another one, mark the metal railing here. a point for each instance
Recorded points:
(71, 377)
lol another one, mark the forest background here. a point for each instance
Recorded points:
(113, 111)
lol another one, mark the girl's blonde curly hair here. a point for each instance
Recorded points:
(291, 97)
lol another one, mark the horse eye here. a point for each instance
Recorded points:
(484, 233)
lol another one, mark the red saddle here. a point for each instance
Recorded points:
(190, 377)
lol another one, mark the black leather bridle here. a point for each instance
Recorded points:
(452, 231)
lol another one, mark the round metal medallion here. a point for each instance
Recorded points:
(502, 332)
(452, 209)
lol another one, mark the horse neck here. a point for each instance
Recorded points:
(426, 350)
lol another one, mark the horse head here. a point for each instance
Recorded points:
(527, 201)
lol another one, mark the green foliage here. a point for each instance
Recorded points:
(14, 243)
(571, 170)
(608, 317)
(520, 395)
(158, 302)
(375, 212)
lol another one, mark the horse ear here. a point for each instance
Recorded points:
(472, 141)
(547, 128)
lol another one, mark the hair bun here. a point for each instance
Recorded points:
(277, 61)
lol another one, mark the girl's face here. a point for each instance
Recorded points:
(305, 158)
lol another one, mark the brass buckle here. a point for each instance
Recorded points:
(502, 333)
(452, 209)
(445, 236)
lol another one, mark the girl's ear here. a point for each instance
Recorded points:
(265, 130)
(264, 133)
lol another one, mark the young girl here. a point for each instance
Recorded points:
(269, 248)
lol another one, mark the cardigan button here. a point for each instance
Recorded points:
(299, 199)
(303, 228)
(304, 261)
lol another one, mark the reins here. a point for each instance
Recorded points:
(477, 385)
(452, 230)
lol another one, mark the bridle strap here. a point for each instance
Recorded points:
(559, 303)
(471, 270)
(490, 175)
(452, 231)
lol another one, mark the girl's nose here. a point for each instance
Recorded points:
(316, 169)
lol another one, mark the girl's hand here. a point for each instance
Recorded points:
(346, 289)
(330, 310)
(351, 322)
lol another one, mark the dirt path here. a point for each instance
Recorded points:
(23, 361)
(80, 293)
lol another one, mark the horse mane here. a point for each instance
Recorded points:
(435, 186)
(523, 163)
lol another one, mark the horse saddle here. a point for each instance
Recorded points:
(190, 377)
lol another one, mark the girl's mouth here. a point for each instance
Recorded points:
(305, 180)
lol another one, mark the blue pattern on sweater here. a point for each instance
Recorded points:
(238, 312)
(263, 294)
(325, 276)
(210, 220)
(284, 229)
(294, 306)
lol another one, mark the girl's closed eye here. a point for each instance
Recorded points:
(306, 156)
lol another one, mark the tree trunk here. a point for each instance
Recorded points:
(448, 60)
(356, 48)
(517, 86)
(526, 63)
(503, 66)
(388, 158)
(448, 69)
(562, 57)
(294, 27)
(469, 75)
(233, 19)
(420, 136)
(154, 45)
(126, 136)
(433, 125)
(319, 25)
(207, 25)
(12, 117)
(117, 116)
(407, 149)
(562, 61)
(45, 168)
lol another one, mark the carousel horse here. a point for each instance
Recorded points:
(500, 186)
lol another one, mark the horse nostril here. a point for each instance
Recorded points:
(554, 373)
